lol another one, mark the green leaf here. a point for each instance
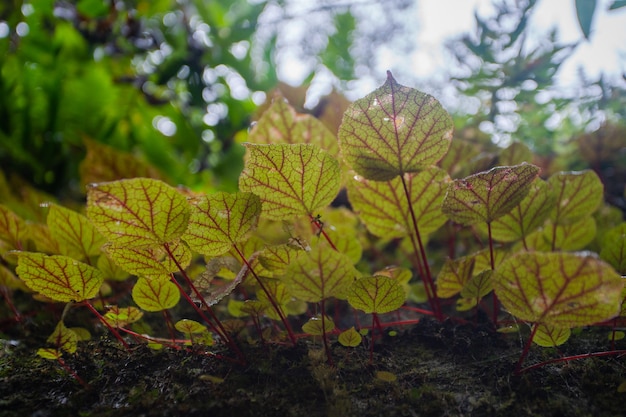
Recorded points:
(614, 248)
(12, 228)
(58, 277)
(585, 10)
(49, 353)
(551, 336)
(150, 263)
(384, 209)
(155, 294)
(110, 269)
(455, 161)
(190, 326)
(558, 289)
(291, 180)
(75, 234)
(63, 338)
(454, 275)
(376, 294)
(281, 124)
(318, 327)
(122, 316)
(485, 196)
(319, 274)
(474, 290)
(515, 154)
(220, 220)
(137, 213)
(572, 236)
(92, 8)
(350, 338)
(527, 216)
(578, 195)
(393, 131)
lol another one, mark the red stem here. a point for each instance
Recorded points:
(329, 356)
(518, 368)
(496, 307)
(103, 321)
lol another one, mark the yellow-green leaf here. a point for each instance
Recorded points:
(558, 289)
(220, 220)
(551, 336)
(475, 289)
(527, 216)
(454, 275)
(281, 124)
(350, 338)
(58, 277)
(384, 208)
(49, 353)
(317, 327)
(515, 154)
(63, 338)
(571, 236)
(149, 262)
(291, 180)
(12, 228)
(377, 294)
(155, 294)
(122, 316)
(190, 326)
(393, 131)
(40, 235)
(110, 269)
(319, 274)
(75, 234)
(485, 196)
(137, 213)
(578, 195)
(614, 248)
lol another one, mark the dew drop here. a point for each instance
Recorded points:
(375, 102)
(386, 119)
(45, 204)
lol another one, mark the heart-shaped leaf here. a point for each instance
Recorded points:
(220, 220)
(485, 196)
(137, 213)
(190, 327)
(614, 248)
(551, 336)
(318, 327)
(319, 274)
(281, 124)
(350, 338)
(291, 180)
(58, 277)
(527, 216)
(384, 209)
(558, 289)
(75, 234)
(393, 131)
(578, 195)
(155, 294)
(377, 294)
(63, 338)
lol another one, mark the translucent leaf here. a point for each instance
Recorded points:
(75, 234)
(58, 277)
(220, 220)
(376, 294)
(291, 180)
(316, 327)
(63, 338)
(571, 236)
(350, 338)
(122, 316)
(110, 269)
(551, 336)
(150, 262)
(455, 161)
(276, 258)
(190, 326)
(384, 209)
(155, 294)
(515, 154)
(281, 124)
(474, 290)
(104, 163)
(578, 194)
(558, 289)
(49, 353)
(485, 196)
(319, 274)
(12, 228)
(342, 227)
(454, 275)
(137, 213)
(614, 248)
(527, 216)
(393, 131)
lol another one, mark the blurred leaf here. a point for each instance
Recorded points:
(318, 327)
(578, 194)
(393, 131)
(572, 236)
(122, 316)
(585, 10)
(614, 248)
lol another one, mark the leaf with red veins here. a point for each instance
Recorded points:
(281, 124)
(12, 228)
(377, 294)
(150, 262)
(58, 277)
(137, 213)
(614, 248)
(558, 289)
(64, 338)
(291, 180)
(578, 195)
(393, 131)
(75, 234)
(220, 220)
(551, 336)
(155, 294)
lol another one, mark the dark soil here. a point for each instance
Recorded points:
(440, 369)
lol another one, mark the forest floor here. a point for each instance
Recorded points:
(430, 369)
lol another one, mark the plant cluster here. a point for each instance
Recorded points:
(283, 258)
